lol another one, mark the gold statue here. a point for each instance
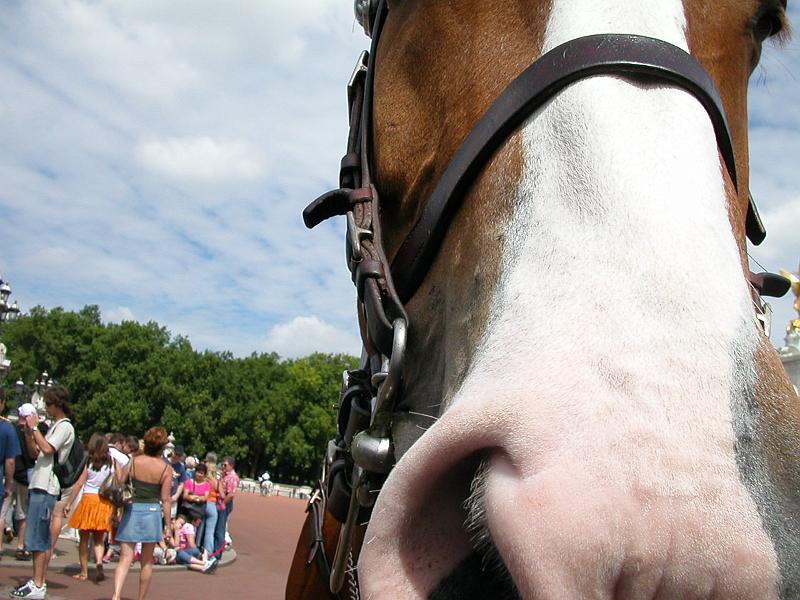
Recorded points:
(794, 324)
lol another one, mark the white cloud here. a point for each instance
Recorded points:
(304, 335)
(782, 222)
(201, 158)
(118, 314)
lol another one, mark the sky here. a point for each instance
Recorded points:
(155, 157)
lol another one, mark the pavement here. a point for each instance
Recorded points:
(264, 531)
(65, 559)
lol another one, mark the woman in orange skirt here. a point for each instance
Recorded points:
(92, 518)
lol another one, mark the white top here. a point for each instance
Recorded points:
(94, 479)
(61, 437)
(119, 457)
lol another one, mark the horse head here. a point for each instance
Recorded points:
(590, 407)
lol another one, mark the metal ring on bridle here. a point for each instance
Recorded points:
(390, 388)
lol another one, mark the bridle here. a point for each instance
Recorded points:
(359, 459)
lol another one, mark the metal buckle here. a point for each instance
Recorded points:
(764, 315)
(354, 236)
(360, 70)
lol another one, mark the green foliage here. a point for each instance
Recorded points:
(266, 412)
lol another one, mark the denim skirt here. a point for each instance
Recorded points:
(141, 522)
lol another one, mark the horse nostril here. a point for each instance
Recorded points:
(483, 573)
(471, 580)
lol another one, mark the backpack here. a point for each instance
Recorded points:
(69, 471)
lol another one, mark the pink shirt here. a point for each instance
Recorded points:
(183, 535)
(230, 483)
(198, 489)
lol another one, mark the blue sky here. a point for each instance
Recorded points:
(156, 156)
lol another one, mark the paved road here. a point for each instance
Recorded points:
(264, 530)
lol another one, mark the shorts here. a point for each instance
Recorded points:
(186, 555)
(40, 512)
(65, 499)
(20, 496)
(141, 522)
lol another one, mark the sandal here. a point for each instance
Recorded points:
(99, 574)
(80, 576)
(22, 554)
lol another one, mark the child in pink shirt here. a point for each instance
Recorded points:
(188, 552)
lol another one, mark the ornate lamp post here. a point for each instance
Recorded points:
(8, 312)
(35, 393)
(37, 398)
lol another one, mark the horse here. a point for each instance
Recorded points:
(566, 389)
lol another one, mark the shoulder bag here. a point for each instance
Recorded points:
(119, 493)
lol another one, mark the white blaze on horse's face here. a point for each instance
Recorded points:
(612, 464)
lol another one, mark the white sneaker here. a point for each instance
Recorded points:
(210, 564)
(31, 591)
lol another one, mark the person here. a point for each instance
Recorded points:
(116, 448)
(44, 488)
(188, 552)
(191, 464)
(23, 468)
(265, 483)
(196, 493)
(9, 449)
(92, 518)
(131, 446)
(178, 477)
(228, 488)
(209, 525)
(142, 519)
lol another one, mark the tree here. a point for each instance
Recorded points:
(264, 411)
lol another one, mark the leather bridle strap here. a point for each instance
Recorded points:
(630, 56)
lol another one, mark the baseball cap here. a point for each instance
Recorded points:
(26, 410)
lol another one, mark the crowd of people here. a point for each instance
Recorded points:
(174, 509)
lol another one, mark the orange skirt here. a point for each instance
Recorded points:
(93, 514)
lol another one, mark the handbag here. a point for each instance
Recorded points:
(193, 507)
(119, 493)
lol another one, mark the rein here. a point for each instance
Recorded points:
(359, 459)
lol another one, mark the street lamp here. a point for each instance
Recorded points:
(42, 383)
(7, 312)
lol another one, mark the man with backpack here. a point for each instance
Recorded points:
(53, 451)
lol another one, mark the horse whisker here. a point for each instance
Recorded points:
(411, 412)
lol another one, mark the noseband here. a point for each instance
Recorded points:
(360, 458)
